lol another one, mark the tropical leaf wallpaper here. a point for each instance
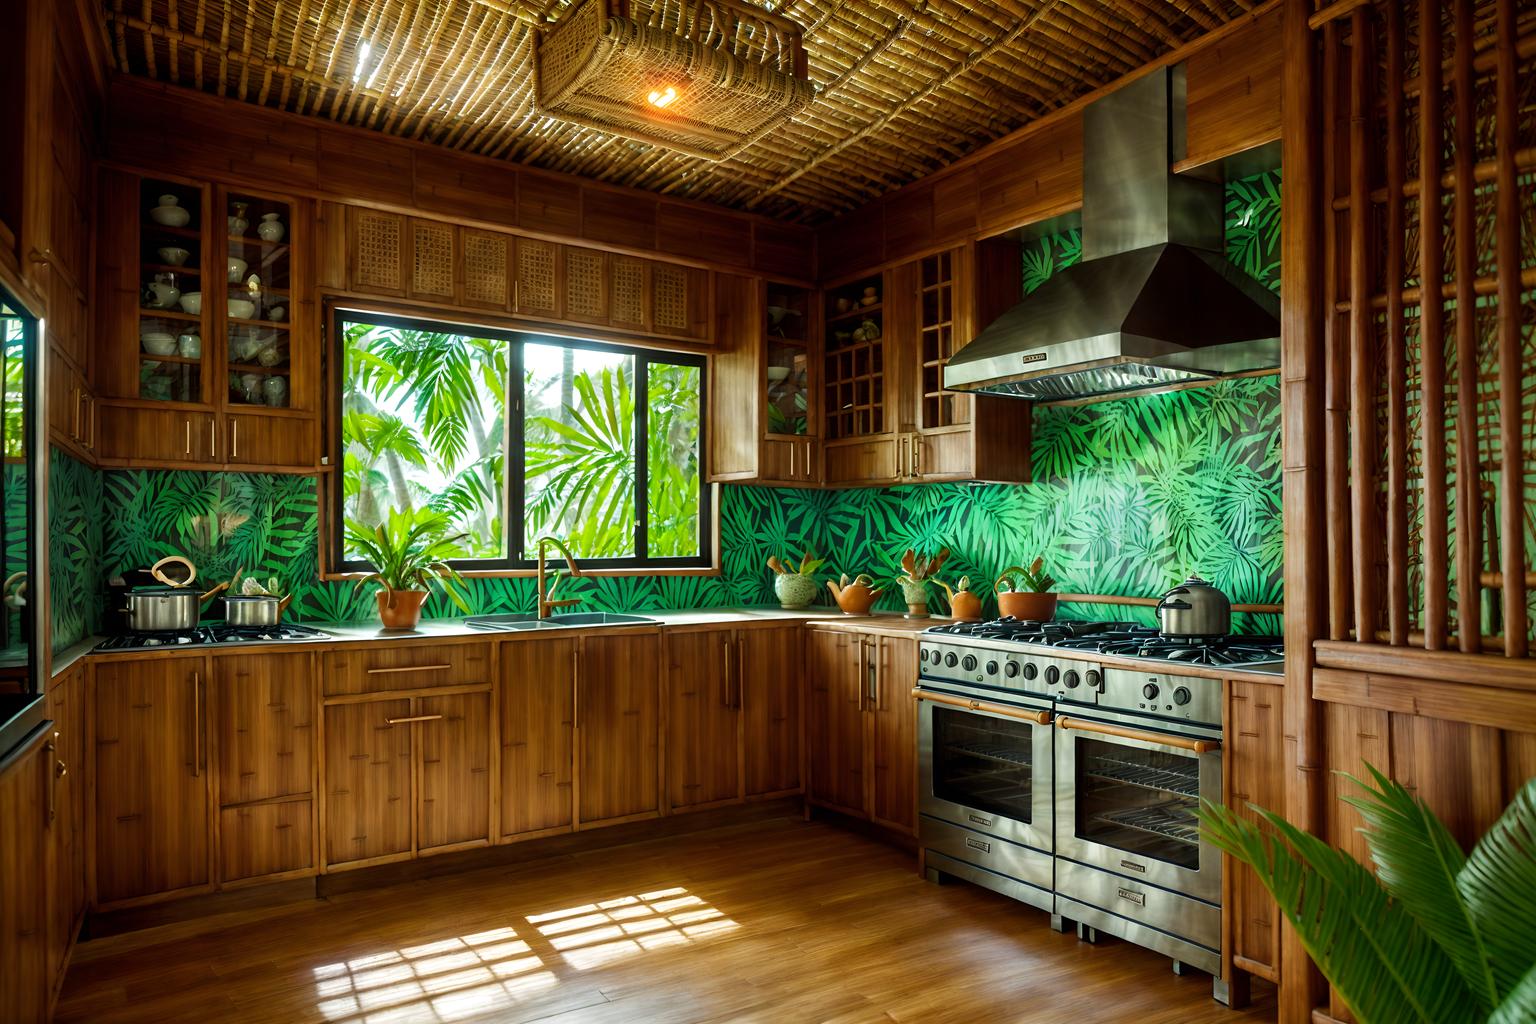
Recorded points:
(75, 515)
(1131, 495)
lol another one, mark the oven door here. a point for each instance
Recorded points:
(986, 766)
(1126, 796)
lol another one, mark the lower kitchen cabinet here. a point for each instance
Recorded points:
(733, 724)
(66, 828)
(454, 737)
(264, 749)
(1254, 776)
(24, 849)
(617, 718)
(406, 775)
(537, 709)
(367, 781)
(149, 728)
(861, 726)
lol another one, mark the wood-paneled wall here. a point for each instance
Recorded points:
(1036, 173)
(152, 125)
(1408, 633)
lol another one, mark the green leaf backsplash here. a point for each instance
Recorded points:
(1130, 495)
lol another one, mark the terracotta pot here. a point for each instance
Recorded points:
(1026, 605)
(401, 609)
(965, 606)
(856, 596)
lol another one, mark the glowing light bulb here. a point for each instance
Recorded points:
(661, 98)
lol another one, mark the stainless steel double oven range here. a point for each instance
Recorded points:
(1072, 786)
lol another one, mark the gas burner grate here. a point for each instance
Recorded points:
(1026, 630)
(1142, 642)
(159, 638)
(211, 635)
(255, 634)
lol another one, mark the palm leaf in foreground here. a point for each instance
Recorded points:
(1368, 945)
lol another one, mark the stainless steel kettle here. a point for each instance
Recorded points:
(1194, 608)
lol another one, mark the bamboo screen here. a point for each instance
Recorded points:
(1429, 114)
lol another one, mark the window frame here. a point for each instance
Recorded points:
(518, 561)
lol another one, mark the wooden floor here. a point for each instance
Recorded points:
(778, 921)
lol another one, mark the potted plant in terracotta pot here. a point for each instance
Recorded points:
(1025, 593)
(796, 586)
(916, 574)
(855, 596)
(964, 604)
(409, 553)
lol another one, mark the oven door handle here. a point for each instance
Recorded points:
(1038, 717)
(1183, 742)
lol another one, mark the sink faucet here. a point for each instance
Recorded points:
(546, 595)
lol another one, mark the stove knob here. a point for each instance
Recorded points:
(1070, 679)
(1094, 680)
(1149, 691)
(1181, 696)
(922, 655)
(1012, 669)
(991, 668)
(950, 660)
(1052, 673)
(969, 664)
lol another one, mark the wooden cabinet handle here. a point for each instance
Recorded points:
(234, 438)
(197, 724)
(53, 785)
(413, 718)
(189, 435)
(741, 667)
(1126, 733)
(917, 455)
(213, 440)
(576, 687)
(792, 447)
(407, 668)
(725, 680)
(1037, 717)
(863, 648)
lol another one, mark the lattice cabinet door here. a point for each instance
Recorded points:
(376, 248)
(434, 260)
(628, 292)
(679, 301)
(487, 269)
(538, 289)
(586, 285)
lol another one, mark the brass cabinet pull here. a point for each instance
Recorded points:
(873, 680)
(90, 409)
(741, 667)
(917, 455)
(725, 680)
(792, 460)
(413, 718)
(234, 437)
(189, 435)
(53, 777)
(213, 439)
(1199, 746)
(197, 724)
(407, 668)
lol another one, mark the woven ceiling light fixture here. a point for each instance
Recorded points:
(697, 76)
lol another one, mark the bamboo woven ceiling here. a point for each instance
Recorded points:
(903, 88)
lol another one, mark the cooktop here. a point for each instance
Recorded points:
(209, 635)
(1124, 639)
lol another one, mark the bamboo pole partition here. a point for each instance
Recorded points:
(1431, 330)
(1335, 345)
(1468, 591)
(1396, 343)
(1362, 336)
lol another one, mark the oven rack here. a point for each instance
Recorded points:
(1133, 773)
(1011, 756)
(1159, 821)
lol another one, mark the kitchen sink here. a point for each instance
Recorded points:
(522, 622)
(602, 619)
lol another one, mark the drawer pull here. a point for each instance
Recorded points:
(977, 844)
(979, 820)
(413, 718)
(1140, 899)
(1131, 865)
(408, 668)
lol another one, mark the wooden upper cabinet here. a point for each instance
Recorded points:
(539, 289)
(586, 285)
(151, 777)
(679, 301)
(487, 269)
(703, 721)
(537, 708)
(629, 293)
(377, 245)
(433, 269)
(617, 708)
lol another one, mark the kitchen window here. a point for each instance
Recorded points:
(515, 436)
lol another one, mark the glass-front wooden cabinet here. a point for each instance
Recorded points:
(207, 334)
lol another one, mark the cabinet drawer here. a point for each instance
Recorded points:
(407, 667)
(1140, 904)
(986, 851)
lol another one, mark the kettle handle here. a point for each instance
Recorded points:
(158, 572)
(1179, 606)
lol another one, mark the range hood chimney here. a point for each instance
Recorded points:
(1154, 300)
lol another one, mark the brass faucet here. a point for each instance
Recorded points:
(546, 602)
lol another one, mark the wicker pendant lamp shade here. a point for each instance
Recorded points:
(697, 77)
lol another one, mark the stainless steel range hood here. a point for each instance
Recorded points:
(1153, 301)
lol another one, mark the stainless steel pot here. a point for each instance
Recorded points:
(1194, 608)
(254, 609)
(157, 609)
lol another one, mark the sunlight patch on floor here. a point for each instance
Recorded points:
(594, 934)
(448, 980)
